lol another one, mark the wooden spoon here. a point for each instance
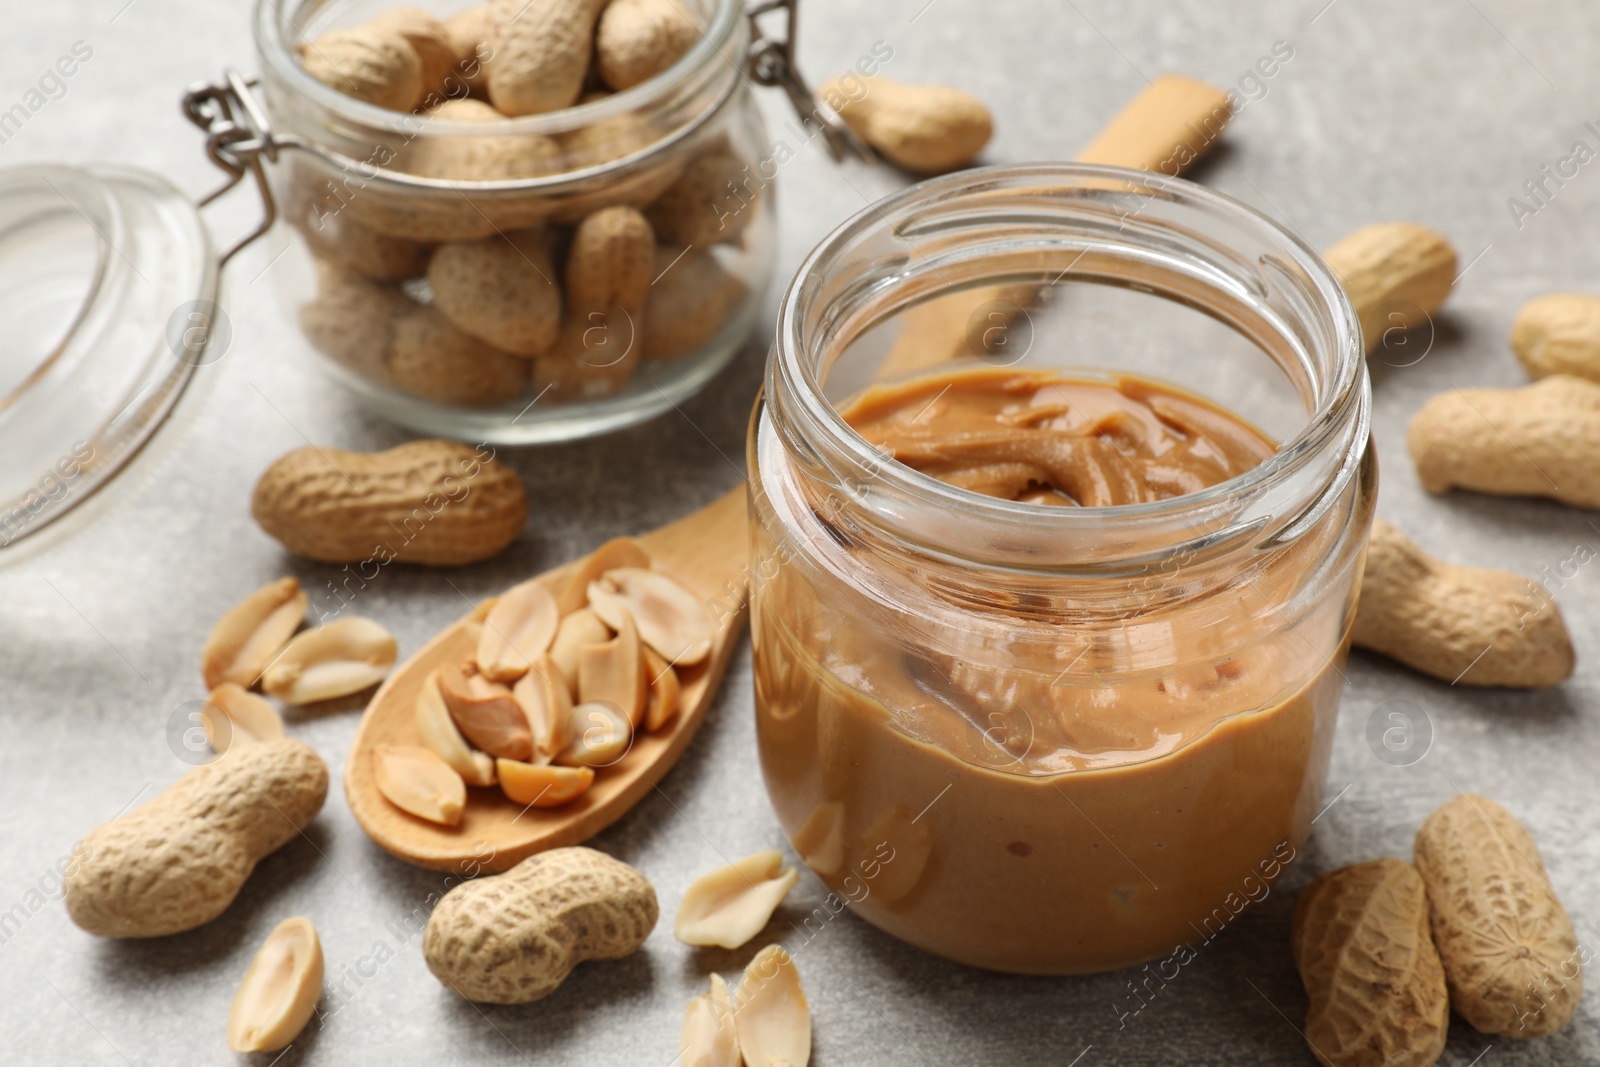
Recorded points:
(1170, 124)
(707, 552)
(1165, 129)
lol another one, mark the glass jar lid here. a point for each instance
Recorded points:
(110, 285)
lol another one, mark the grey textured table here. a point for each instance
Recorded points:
(1436, 112)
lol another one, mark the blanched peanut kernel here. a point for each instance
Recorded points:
(234, 716)
(414, 779)
(336, 660)
(279, 991)
(671, 620)
(732, 904)
(518, 628)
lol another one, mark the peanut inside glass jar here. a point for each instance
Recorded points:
(1021, 709)
(476, 265)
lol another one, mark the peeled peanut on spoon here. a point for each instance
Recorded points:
(670, 619)
(439, 733)
(417, 780)
(486, 712)
(542, 785)
(518, 629)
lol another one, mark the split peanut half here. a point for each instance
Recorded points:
(665, 690)
(710, 1037)
(233, 715)
(415, 779)
(335, 660)
(540, 784)
(439, 732)
(245, 639)
(279, 991)
(771, 1013)
(616, 553)
(547, 704)
(732, 904)
(487, 713)
(582, 627)
(518, 629)
(474, 625)
(613, 673)
(671, 620)
(601, 735)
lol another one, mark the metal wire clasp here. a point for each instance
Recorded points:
(772, 63)
(238, 138)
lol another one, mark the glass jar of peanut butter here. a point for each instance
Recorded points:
(1061, 483)
(524, 247)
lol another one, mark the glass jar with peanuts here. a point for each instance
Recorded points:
(1061, 483)
(511, 221)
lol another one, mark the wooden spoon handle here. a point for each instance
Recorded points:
(1166, 128)
(710, 548)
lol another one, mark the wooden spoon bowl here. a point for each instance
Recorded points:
(707, 552)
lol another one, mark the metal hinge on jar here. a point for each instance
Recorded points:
(772, 63)
(240, 138)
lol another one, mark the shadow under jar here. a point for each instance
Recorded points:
(1057, 739)
(433, 260)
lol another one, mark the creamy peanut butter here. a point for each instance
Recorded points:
(1046, 439)
(1050, 791)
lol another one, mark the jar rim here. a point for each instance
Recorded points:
(270, 20)
(127, 420)
(1341, 412)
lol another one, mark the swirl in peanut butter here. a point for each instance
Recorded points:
(1042, 438)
